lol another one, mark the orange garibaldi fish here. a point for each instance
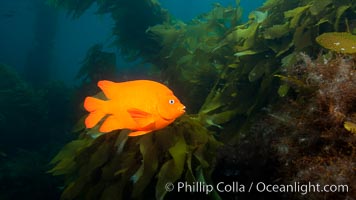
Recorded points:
(141, 106)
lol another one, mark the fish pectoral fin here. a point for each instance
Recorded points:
(110, 124)
(137, 113)
(143, 119)
(137, 133)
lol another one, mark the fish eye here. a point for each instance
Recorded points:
(171, 101)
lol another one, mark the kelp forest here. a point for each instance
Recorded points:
(268, 100)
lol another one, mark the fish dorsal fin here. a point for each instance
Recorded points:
(110, 89)
(143, 119)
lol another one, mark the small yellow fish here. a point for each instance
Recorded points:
(141, 106)
(350, 126)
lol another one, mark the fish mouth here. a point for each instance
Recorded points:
(182, 109)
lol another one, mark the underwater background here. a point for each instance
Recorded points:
(269, 89)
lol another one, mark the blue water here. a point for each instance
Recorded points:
(188, 9)
(253, 113)
(42, 45)
(73, 37)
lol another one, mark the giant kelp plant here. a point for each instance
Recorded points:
(236, 62)
(33, 126)
(114, 166)
(247, 86)
(38, 61)
(130, 37)
(21, 109)
(189, 50)
(97, 65)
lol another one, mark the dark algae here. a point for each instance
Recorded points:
(270, 108)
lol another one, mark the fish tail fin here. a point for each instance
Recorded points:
(97, 112)
(92, 104)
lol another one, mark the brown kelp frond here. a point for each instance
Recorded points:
(350, 126)
(249, 56)
(21, 109)
(350, 123)
(97, 65)
(190, 60)
(130, 38)
(230, 74)
(341, 42)
(75, 8)
(110, 164)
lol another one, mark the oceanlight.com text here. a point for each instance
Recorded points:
(236, 187)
